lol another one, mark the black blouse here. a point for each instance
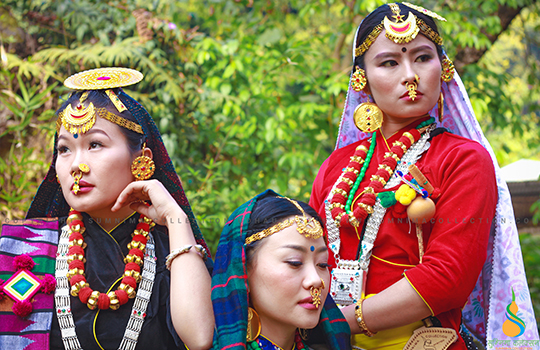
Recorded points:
(104, 268)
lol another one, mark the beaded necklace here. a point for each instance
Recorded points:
(341, 205)
(63, 302)
(132, 272)
(348, 276)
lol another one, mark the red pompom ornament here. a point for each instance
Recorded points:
(48, 284)
(22, 308)
(23, 262)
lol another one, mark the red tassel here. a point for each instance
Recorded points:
(22, 308)
(48, 284)
(23, 261)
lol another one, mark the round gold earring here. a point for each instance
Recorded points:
(440, 107)
(143, 167)
(368, 117)
(253, 325)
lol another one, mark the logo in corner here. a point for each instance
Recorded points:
(513, 326)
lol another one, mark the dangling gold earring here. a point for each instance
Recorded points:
(143, 167)
(368, 117)
(358, 80)
(447, 70)
(253, 325)
(440, 107)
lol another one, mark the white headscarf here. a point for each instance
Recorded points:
(485, 311)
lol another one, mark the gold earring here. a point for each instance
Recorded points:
(368, 117)
(143, 167)
(447, 70)
(253, 325)
(440, 107)
(359, 81)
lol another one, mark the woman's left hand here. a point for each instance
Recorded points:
(163, 208)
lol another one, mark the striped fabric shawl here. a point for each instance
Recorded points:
(39, 239)
(230, 289)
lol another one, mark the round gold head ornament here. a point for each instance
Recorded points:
(80, 118)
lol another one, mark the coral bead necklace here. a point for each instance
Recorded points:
(343, 209)
(132, 272)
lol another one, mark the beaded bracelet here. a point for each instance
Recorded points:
(360, 319)
(177, 252)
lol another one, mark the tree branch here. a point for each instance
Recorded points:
(469, 55)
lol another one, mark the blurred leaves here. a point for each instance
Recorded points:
(247, 94)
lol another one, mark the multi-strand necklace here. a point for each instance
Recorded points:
(348, 276)
(72, 236)
(342, 204)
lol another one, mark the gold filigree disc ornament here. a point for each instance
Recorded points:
(368, 117)
(103, 78)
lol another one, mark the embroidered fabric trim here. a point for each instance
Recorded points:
(63, 302)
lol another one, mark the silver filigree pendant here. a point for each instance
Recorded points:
(347, 282)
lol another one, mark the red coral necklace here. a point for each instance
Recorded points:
(343, 210)
(132, 272)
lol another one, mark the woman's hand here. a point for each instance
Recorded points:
(164, 209)
(191, 305)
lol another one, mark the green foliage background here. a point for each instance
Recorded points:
(247, 94)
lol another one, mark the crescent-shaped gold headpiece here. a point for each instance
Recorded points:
(82, 117)
(402, 30)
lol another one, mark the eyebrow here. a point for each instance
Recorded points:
(89, 132)
(383, 55)
(302, 248)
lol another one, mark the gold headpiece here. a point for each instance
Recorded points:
(309, 227)
(402, 31)
(82, 118)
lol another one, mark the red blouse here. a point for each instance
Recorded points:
(455, 240)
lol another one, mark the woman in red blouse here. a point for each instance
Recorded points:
(408, 203)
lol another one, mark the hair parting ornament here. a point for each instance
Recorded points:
(401, 30)
(82, 117)
(308, 227)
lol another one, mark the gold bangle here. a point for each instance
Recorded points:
(360, 319)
